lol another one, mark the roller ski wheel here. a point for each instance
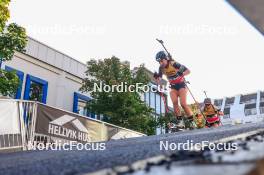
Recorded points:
(175, 128)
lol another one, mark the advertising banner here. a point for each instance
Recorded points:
(61, 124)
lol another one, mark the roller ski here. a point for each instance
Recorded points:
(176, 126)
(182, 124)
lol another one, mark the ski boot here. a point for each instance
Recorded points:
(176, 124)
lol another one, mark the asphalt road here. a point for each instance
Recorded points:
(119, 152)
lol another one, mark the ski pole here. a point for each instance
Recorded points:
(197, 104)
(205, 94)
(162, 43)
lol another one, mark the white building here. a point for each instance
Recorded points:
(48, 76)
(248, 108)
(156, 100)
(53, 78)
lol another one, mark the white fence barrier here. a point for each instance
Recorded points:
(24, 122)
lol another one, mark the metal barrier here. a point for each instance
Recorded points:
(11, 129)
(33, 122)
(10, 141)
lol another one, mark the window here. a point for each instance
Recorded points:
(35, 93)
(36, 89)
(248, 99)
(79, 105)
(261, 109)
(21, 77)
(226, 116)
(218, 102)
(147, 98)
(158, 103)
(229, 101)
(81, 108)
(227, 111)
(261, 96)
(162, 106)
(152, 100)
(250, 111)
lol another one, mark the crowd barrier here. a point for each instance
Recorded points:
(24, 122)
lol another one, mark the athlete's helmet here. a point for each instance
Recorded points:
(207, 101)
(161, 55)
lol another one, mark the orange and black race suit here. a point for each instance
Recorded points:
(211, 114)
(174, 72)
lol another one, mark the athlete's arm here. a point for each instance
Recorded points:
(158, 75)
(182, 69)
(187, 72)
(218, 110)
(160, 72)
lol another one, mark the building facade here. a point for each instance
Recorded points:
(243, 108)
(156, 99)
(53, 78)
(49, 76)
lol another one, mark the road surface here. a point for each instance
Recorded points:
(118, 152)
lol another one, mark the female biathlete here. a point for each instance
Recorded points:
(175, 73)
(212, 114)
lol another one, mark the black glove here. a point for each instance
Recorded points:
(178, 74)
(181, 70)
(156, 75)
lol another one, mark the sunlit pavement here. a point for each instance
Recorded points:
(127, 152)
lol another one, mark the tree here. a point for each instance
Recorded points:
(12, 38)
(125, 108)
(198, 117)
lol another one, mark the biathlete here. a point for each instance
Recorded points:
(175, 73)
(212, 114)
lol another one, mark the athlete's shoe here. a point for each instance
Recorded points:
(177, 123)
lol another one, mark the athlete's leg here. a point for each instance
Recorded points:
(174, 98)
(183, 100)
(216, 124)
(189, 121)
(178, 122)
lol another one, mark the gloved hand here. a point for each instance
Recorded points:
(179, 74)
(181, 71)
(156, 75)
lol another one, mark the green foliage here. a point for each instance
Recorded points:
(198, 117)
(35, 92)
(12, 38)
(165, 120)
(124, 109)
(4, 13)
(8, 83)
